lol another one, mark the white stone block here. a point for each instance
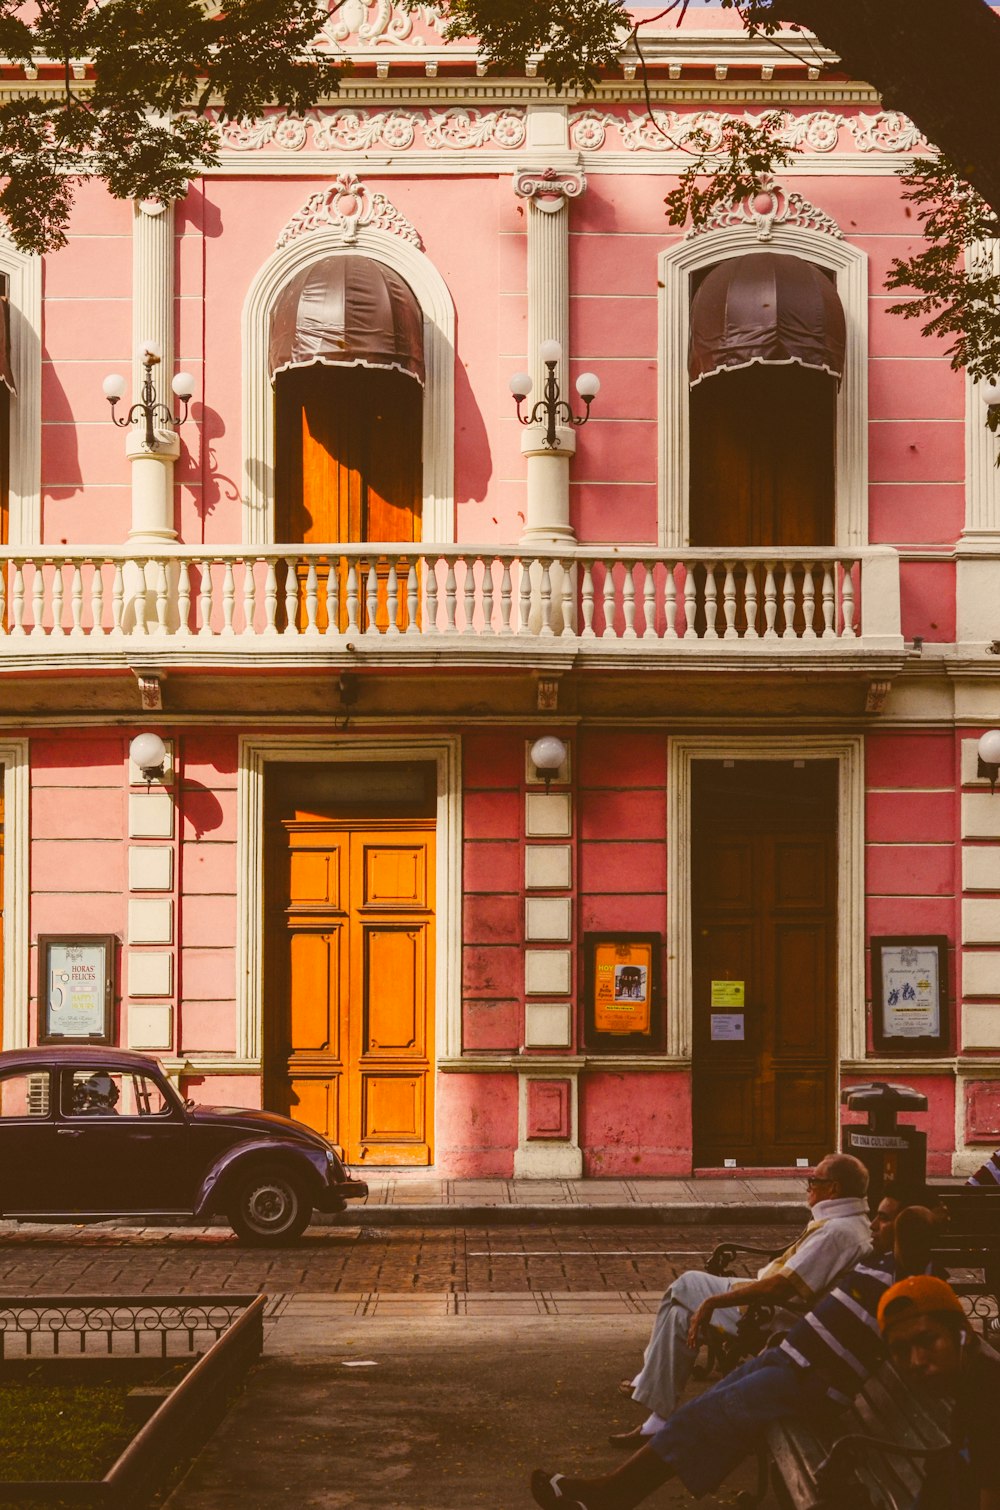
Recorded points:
(981, 972)
(548, 814)
(548, 1025)
(547, 971)
(150, 867)
(970, 765)
(980, 867)
(549, 918)
(150, 815)
(981, 921)
(549, 867)
(980, 815)
(151, 1026)
(150, 973)
(150, 922)
(981, 1025)
(548, 1161)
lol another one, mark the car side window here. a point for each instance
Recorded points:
(111, 1093)
(24, 1095)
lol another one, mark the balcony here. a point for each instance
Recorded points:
(294, 609)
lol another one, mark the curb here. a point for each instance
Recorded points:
(677, 1214)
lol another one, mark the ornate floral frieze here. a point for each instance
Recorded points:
(348, 130)
(359, 24)
(672, 130)
(772, 206)
(345, 207)
(549, 188)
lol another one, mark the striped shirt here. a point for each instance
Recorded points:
(839, 1337)
(989, 1173)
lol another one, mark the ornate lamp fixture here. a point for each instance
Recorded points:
(552, 407)
(547, 755)
(148, 407)
(989, 757)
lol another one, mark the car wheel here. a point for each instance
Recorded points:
(268, 1206)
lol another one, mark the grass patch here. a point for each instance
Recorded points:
(61, 1431)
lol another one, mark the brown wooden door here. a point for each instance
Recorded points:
(764, 914)
(350, 974)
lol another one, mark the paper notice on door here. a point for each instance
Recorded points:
(728, 993)
(727, 1025)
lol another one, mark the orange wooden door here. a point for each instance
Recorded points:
(764, 917)
(350, 985)
(348, 467)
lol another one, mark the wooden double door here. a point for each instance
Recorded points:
(764, 957)
(350, 984)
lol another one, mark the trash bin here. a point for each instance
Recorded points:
(891, 1154)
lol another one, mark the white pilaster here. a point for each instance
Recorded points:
(548, 184)
(978, 550)
(153, 321)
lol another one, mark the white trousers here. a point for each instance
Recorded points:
(668, 1361)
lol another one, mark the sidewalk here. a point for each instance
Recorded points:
(413, 1198)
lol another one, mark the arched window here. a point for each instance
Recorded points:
(346, 359)
(767, 339)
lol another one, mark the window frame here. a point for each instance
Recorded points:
(23, 272)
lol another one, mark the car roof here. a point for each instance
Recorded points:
(59, 1054)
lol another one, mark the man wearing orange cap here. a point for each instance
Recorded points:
(928, 1338)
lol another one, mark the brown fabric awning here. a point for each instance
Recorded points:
(347, 311)
(769, 308)
(6, 372)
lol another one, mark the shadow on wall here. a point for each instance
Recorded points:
(216, 486)
(473, 461)
(61, 474)
(202, 809)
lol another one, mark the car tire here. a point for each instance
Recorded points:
(268, 1207)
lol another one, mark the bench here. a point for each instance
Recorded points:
(872, 1456)
(725, 1349)
(971, 1238)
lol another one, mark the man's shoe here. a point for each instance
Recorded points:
(545, 1491)
(633, 1438)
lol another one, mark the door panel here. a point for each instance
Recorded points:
(350, 983)
(764, 913)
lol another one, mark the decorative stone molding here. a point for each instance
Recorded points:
(23, 272)
(549, 188)
(772, 206)
(377, 23)
(820, 131)
(345, 207)
(459, 129)
(876, 695)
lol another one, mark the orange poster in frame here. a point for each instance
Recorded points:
(622, 1008)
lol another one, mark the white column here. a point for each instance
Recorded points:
(978, 550)
(548, 191)
(153, 320)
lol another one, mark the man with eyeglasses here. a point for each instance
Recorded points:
(838, 1234)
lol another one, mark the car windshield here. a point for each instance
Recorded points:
(111, 1093)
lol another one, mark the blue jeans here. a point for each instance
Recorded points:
(709, 1436)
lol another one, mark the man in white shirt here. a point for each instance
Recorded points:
(838, 1235)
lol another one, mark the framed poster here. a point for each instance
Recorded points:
(76, 975)
(623, 1011)
(910, 994)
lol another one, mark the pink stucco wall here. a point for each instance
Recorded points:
(636, 1125)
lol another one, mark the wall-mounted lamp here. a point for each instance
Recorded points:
(989, 757)
(547, 755)
(149, 754)
(990, 394)
(552, 407)
(147, 407)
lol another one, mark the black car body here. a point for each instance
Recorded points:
(90, 1133)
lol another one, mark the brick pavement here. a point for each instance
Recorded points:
(398, 1261)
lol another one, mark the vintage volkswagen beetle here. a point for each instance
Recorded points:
(91, 1133)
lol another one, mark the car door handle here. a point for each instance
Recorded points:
(69, 1132)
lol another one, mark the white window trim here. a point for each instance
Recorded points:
(435, 301)
(254, 755)
(23, 271)
(848, 751)
(16, 948)
(675, 268)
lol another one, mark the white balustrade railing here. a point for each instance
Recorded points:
(384, 592)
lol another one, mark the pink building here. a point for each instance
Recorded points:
(754, 598)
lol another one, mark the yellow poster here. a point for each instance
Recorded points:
(728, 993)
(623, 986)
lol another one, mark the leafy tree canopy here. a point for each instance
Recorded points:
(124, 89)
